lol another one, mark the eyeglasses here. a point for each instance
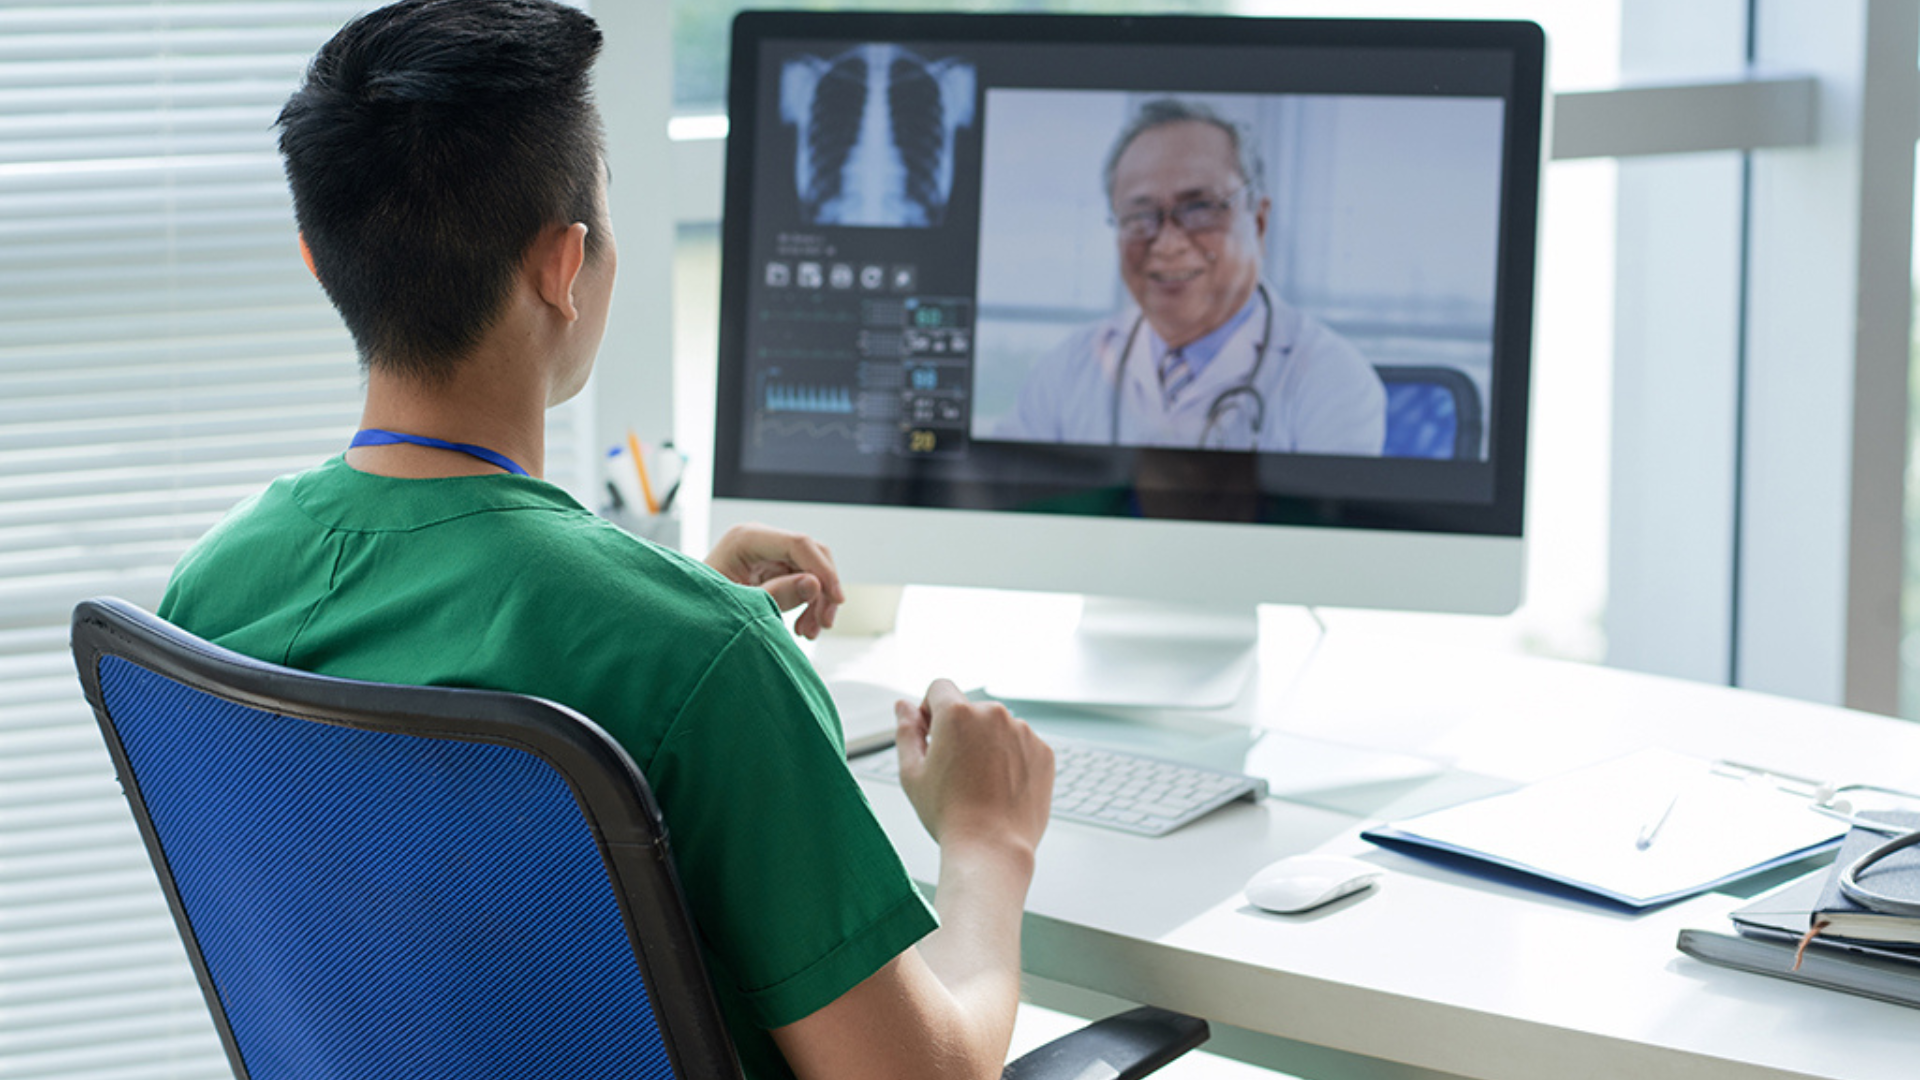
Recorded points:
(1195, 215)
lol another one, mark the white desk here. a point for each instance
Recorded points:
(1437, 971)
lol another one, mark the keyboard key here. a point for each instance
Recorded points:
(1118, 790)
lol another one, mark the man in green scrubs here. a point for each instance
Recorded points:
(447, 174)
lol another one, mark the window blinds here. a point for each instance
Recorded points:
(163, 353)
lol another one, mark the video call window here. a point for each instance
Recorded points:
(1368, 243)
(984, 271)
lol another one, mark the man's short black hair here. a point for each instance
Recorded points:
(430, 144)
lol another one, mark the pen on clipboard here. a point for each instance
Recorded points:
(1651, 830)
(640, 466)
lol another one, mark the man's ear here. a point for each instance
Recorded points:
(557, 258)
(1260, 218)
(306, 256)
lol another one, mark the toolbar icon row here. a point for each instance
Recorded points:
(872, 277)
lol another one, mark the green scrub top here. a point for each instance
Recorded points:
(506, 583)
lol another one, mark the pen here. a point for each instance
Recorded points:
(1651, 829)
(640, 466)
(678, 462)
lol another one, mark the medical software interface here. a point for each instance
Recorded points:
(1016, 275)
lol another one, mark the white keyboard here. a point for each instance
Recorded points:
(1118, 790)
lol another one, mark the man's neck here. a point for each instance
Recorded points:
(475, 407)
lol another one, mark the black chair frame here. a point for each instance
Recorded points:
(611, 794)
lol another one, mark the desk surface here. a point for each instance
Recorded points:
(1437, 970)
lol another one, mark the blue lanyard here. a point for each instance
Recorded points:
(381, 437)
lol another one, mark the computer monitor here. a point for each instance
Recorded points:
(1199, 313)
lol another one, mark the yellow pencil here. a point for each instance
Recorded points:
(640, 466)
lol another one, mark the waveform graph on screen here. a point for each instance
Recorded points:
(798, 428)
(876, 127)
(812, 406)
(815, 400)
(806, 408)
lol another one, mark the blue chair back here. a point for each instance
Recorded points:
(1432, 412)
(378, 881)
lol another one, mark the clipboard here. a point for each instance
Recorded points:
(1641, 830)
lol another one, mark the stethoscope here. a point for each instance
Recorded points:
(1851, 888)
(1899, 840)
(1838, 801)
(1229, 400)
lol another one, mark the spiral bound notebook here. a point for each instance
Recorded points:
(1641, 830)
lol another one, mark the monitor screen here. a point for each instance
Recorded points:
(1105, 292)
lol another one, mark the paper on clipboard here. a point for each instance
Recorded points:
(1640, 830)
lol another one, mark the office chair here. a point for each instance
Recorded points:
(378, 881)
(1432, 412)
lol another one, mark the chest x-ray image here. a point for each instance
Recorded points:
(876, 128)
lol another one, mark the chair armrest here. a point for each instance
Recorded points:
(1125, 1046)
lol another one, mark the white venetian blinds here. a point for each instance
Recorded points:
(163, 353)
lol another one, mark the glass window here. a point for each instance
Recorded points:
(163, 354)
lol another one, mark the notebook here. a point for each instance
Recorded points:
(1898, 876)
(1781, 915)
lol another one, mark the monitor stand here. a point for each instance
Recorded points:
(1141, 654)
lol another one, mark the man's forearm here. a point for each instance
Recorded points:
(976, 951)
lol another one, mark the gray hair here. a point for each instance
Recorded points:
(1160, 112)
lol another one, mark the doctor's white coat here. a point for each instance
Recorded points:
(1321, 395)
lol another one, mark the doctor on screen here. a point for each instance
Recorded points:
(1210, 357)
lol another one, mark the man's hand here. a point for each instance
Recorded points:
(982, 783)
(794, 569)
(973, 771)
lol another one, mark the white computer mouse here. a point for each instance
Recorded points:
(1304, 882)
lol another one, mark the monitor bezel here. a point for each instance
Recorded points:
(740, 494)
